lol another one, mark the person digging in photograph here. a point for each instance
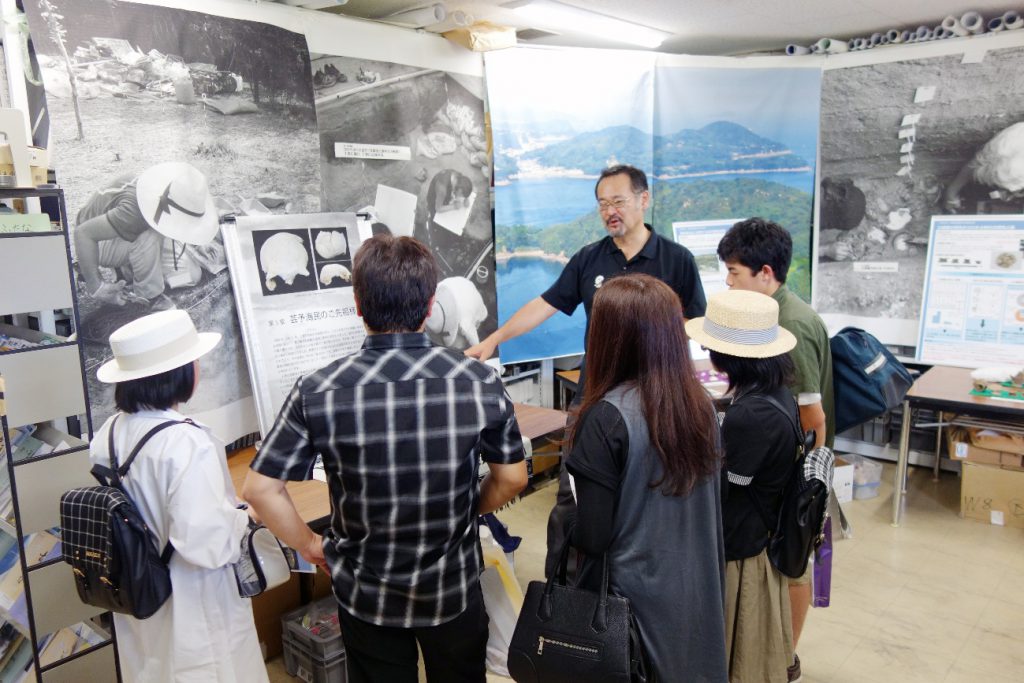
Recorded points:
(123, 227)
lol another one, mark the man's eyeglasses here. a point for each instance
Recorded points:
(617, 203)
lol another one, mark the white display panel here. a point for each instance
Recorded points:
(973, 310)
(296, 307)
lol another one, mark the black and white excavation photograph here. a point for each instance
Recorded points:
(166, 122)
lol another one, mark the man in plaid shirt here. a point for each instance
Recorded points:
(402, 426)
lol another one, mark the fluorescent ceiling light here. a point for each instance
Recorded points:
(313, 4)
(569, 19)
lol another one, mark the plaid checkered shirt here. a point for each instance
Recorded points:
(402, 426)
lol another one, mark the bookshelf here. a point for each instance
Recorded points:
(47, 634)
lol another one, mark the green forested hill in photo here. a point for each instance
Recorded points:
(717, 147)
(686, 201)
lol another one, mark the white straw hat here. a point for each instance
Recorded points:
(154, 344)
(176, 202)
(741, 323)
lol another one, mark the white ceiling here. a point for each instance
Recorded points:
(722, 27)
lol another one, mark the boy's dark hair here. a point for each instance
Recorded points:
(756, 243)
(754, 375)
(394, 279)
(156, 392)
(637, 178)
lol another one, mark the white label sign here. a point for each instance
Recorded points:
(355, 150)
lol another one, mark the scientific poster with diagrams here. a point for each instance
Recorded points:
(406, 145)
(292, 278)
(172, 120)
(973, 311)
(702, 238)
(908, 133)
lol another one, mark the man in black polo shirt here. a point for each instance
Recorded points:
(631, 246)
(402, 426)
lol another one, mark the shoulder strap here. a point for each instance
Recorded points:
(768, 521)
(115, 473)
(123, 469)
(793, 423)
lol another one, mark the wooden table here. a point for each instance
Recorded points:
(311, 498)
(569, 382)
(947, 389)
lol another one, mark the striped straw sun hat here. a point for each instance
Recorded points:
(741, 323)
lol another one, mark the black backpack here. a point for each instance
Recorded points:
(866, 378)
(110, 548)
(799, 528)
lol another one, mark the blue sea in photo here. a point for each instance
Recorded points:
(519, 281)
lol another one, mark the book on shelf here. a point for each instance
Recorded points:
(12, 342)
(39, 547)
(17, 664)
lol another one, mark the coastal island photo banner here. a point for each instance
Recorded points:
(736, 142)
(558, 117)
(717, 141)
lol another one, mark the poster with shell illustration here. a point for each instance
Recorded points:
(406, 145)
(292, 279)
(973, 304)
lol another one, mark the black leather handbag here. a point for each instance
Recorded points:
(570, 635)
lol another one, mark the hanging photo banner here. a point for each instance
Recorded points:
(406, 145)
(736, 140)
(973, 311)
(715, 138)
(292, 278)
(904, 140)
(558, 118)
(170, 121)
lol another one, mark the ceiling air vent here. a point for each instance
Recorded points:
(528, 34)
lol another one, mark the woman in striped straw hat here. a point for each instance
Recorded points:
(741, 330)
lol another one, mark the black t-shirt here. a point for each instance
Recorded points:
(593, 264)
(597, 460)
(600, 446)
(760, 448)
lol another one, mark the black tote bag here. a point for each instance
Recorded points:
(570, 635)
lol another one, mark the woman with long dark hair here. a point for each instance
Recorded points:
(645, 458)
(742, 333)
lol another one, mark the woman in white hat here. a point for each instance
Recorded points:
(181, 485)
(741, 331)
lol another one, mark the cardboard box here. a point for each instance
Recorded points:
(1012, 461)
(992, 494)
(842, 480)
(960, 446)
(997, 441)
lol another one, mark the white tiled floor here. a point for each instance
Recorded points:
(938, 599)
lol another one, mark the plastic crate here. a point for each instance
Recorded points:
(324, 644)
(301, 663)
(317, 654)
